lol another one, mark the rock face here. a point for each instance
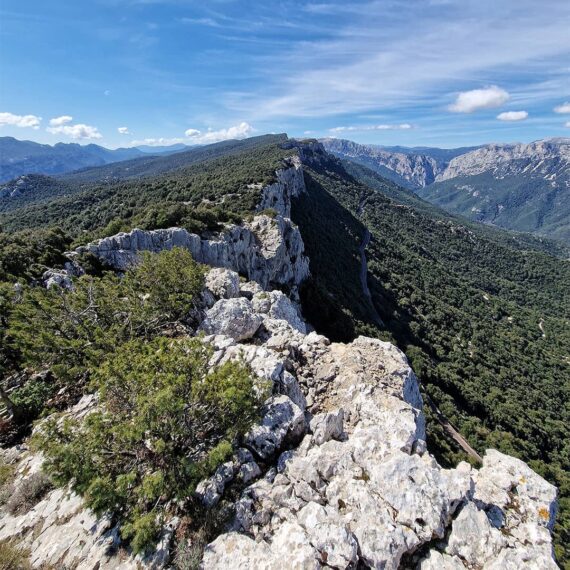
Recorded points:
(290, 183)
(546, 157)
(362, 490)
(411, 169)
(268, 250)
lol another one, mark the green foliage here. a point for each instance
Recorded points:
(29, 253)
(71, 331)
(31, 398)
(167, 422)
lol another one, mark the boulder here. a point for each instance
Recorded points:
(223, 283)
(231, 317)
(283, 422)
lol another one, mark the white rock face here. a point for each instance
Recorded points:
(290, 183)
(222, 283)
(509, 159)
(231, 317)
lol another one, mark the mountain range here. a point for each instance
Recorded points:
(523, 187)
(27, 157)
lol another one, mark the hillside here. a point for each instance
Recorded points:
(481, 314)
(522, 187)
(466, 308)
(29, 192)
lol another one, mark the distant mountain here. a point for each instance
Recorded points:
(523, 187)
(30, 189)
(410, 167)
(26, 157)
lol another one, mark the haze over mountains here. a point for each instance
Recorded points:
(523, 187)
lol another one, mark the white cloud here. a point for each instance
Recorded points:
(512, 116)
(563, 109)
(79, 131)
(488, 98)
(59, 121)
(123, 131)
(400, 127)
(32, 121)
(241, 131)
(567, 124)
(157, 142)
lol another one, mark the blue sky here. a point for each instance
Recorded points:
(409, 72)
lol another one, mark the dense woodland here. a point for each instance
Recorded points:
(483, 315)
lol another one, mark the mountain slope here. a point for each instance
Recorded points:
(26, 157)
(35, 189)
(409, 167)
(520, 187)
(484, 323)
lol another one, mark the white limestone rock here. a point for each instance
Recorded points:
(278, 306)
(223, 283)
(231, 317)
(282, 422)
(327, 426)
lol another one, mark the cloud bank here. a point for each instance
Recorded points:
(76, 132)
(400, 127)
(59, 121)
(241, 131)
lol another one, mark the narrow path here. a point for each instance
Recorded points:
(364, 268)
(452, 432)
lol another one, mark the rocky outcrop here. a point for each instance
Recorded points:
(362, 489)
(336, 473)
(412, 169)
(268, 249)
(290, 183)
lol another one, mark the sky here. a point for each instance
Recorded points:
(444, 73)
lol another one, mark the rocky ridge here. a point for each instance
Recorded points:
(417, 169)
(544, 158)
(268, 249)
(336, 474)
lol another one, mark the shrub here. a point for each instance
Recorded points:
(167, 422)
(13, 557)
(29, 493)
(71, 331)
